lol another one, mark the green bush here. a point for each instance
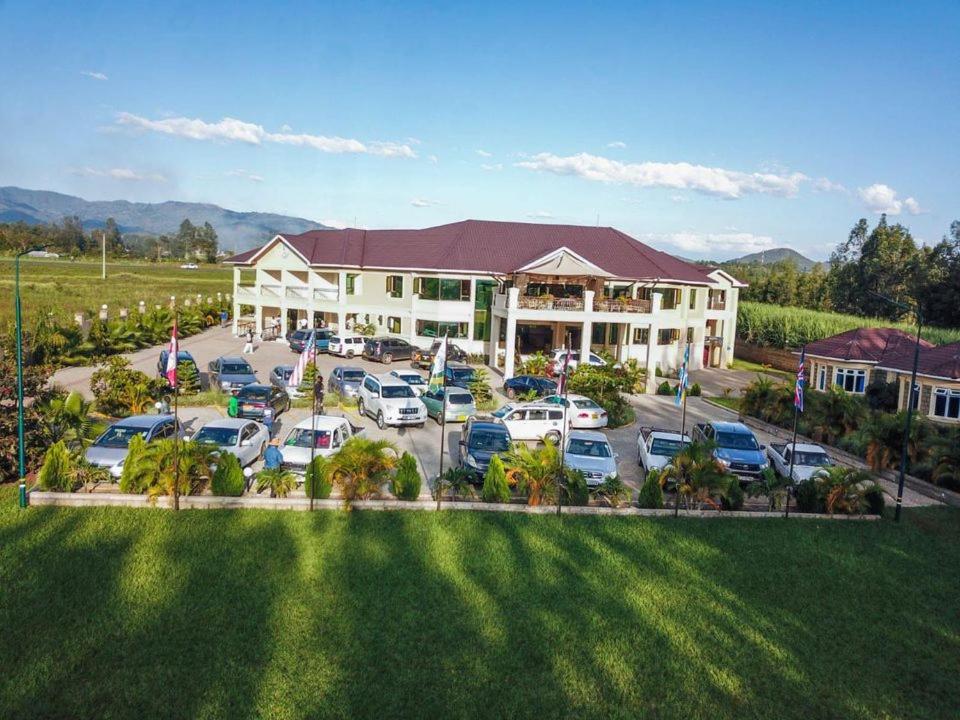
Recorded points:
(808, 497)
(733, 500)
(479, 387)
(875, 500)
(495, 487)
(576, 490)
(695, 390)
(188, 379)
(619, 411)
(55, 474)
(228, 479)
(129, 482)
(651, 494)
(318, 471)
(120, 390)
(664, 388)
(407, 480)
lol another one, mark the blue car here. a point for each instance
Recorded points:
(230, 373)
(735, 447)
(523, 384)
(298, 340)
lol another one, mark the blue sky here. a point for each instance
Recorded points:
(708, 129)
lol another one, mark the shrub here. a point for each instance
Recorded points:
(651, 494)
(309, 377)
(664, 388)
(613, 491)
(808, 497)
(479, 387)
(695, 390)
(228, 479)
(733, 499)
(875, 500)
(457, 481)
(406, 481)
(575, 487)
(188, 379)
(619, 411)
(120, 390)
(495, 487)
(55, 474)
(536, 364)
(130, 479)
(319, 471)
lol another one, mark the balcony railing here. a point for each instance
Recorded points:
(542, 303)
(271, 290)
(246, 291)
(297, 292)
(326, 294)
(620, 305)
(716, 304)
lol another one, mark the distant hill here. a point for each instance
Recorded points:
(235, 230)
(769, 257)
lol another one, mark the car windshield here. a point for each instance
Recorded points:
(353, 375)
(489, 440)
(737, 441)
(299, 335)
(586, 404)
(812, 458)
(502, 411)
(589, 448)
(217, 436)
(252, 393)
(459, 399)
(119, 436)
(668, 448)
(462, 373)
(398, 391)
(300, 437)
(236, 369)
(412, 379)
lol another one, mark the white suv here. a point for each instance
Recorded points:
(346, 345)
(535, 421)
(391, 401)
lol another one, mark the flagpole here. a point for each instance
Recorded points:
(443, 421)
(682, 388)
(313, 417)
(563, 438)
(797, 402)
(175, 352)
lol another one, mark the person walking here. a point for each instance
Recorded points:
(233, 406)
(318, 391)
(272, 458)
(268, 419)
(248, 344)
(223, 318)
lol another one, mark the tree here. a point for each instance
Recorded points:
(228, 479)
(946, 460)
(186, 239)
(697, 476)
(67, 418)
(406, 482)
(495, 486)
(280, 481)
(188, 378)
(362, 466)
(771, 486)
(169, 464)
(55, 473)
(36, 393)
(534, 471)
(111, 233)
(575, 489)
(479, 387)
(844, 489)
(205, 239)
(651, 494)
(317, 482)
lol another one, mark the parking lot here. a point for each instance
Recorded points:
(423, 443)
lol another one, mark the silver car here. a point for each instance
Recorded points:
(110, 449)
(345, 380)
(244, 438)
(590, 453)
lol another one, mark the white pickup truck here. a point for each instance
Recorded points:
(326, 434)
(656, 447)
(808, 460)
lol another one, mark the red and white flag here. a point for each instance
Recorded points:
(306, 357)
(172, 354)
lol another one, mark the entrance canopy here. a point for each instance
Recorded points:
(563, 262)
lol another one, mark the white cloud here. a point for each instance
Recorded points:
(619, 144)
(231, 129)
(724, 183)
(827, 185)
(880, 198)
(422, 202)
(433, 159)
(491, 167)
(714, 243)
(118, 174)
(484, 153)
(245, 174)
(94, 75)
(540, 215)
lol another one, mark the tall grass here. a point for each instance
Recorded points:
(790, 327)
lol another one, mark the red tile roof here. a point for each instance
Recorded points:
(867, 345)
(487, 247)
(942, 361)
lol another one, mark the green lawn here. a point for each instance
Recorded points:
(115, 613)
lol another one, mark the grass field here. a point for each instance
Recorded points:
(117, 613)
(63, 287)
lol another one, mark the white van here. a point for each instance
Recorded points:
(533, 421)
(346, 345)
(390, 401)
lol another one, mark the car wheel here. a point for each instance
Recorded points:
(511, 393)
(381, 422)
(360, 408)
(439, 421)
(350, 354)
(386, 359)
(553, 436)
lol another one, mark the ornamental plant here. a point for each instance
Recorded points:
(406, 482)
(318, 471)
(651, 494)
(228, 479)
(495, 487)
(55, 474)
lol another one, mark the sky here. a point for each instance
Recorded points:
(704, 129)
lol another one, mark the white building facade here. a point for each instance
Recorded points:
(511, 289)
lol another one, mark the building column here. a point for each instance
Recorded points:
(494, 340)
(511, 346)
(586, 332)
(258, 318)
(412, 330)
(652, 351)
(341, 322)
(729, 327)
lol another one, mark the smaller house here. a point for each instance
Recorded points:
(936, 393)
(854, 358)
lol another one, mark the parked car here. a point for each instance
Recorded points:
(582, 412)
(480, 440)
(413, 379)
(387, 349)
(455, 402)
(459, 375)
(299, 338)
(345, 380)
(558, 358)
(325, 433)
(424, 358)
(280, 376)
(533, 421)
(230, 373)
(523, 384)
(189, 266)
(589, 452)
(244, 438)
(391, 401)
(111, 448)
(809, 460)
(253, 399)
(183, 356)
(656, 448)
(736, 447)
(346, 345)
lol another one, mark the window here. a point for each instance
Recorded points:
(689, 335)
(395, 286)
(915, 401)
(436, 328)
(428, 288)
(393, 324)
(641, 336)
(442, 289)
(614, 333)
(671, 298)
(668, 336)
(371, 384)
(850, 380)
(351, 283)
(946, 403)
(822, 378)
(598, 335)
(693, 298)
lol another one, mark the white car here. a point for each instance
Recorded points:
(582, 412)
(244, 438)
(589, 452)
(321, 434)
(808, 461)
(413, 379)
(189, 266)
(533, 421)
(346, 345)
(390, 401)
(558, 358)
(656, 448)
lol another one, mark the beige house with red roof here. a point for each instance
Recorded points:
(936, 393)
(498, 288)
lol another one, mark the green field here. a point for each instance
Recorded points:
(63, 287)
(117, 613)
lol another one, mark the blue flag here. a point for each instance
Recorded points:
(684, 377)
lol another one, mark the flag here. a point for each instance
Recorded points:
(439, 367)
(801, 380)
(684, 377)
(306, 357)
(172, 354)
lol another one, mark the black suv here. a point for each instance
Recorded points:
(387, 349)
(424, 358)
(480, 439)
(254, 398)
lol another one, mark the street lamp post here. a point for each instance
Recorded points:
(21, 450)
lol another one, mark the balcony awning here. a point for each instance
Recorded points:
(563, 262)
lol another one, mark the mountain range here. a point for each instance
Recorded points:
(236, 230)
(775, 255)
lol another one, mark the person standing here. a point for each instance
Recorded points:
(318, 391)
(233, 406)
(268, 419)
(272, 458)
(248, 344)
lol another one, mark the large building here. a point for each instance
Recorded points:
(498, 288)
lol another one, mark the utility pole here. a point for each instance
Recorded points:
(103, 261)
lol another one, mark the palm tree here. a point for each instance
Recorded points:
(534, 471)
(137, 397)
(838, 413)
(844, 489)
(362, 467)
(155, 470)
(770, 485)
(883, 437)
(946, 458)
(68, 419)
(279, 480)
(697, 476)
